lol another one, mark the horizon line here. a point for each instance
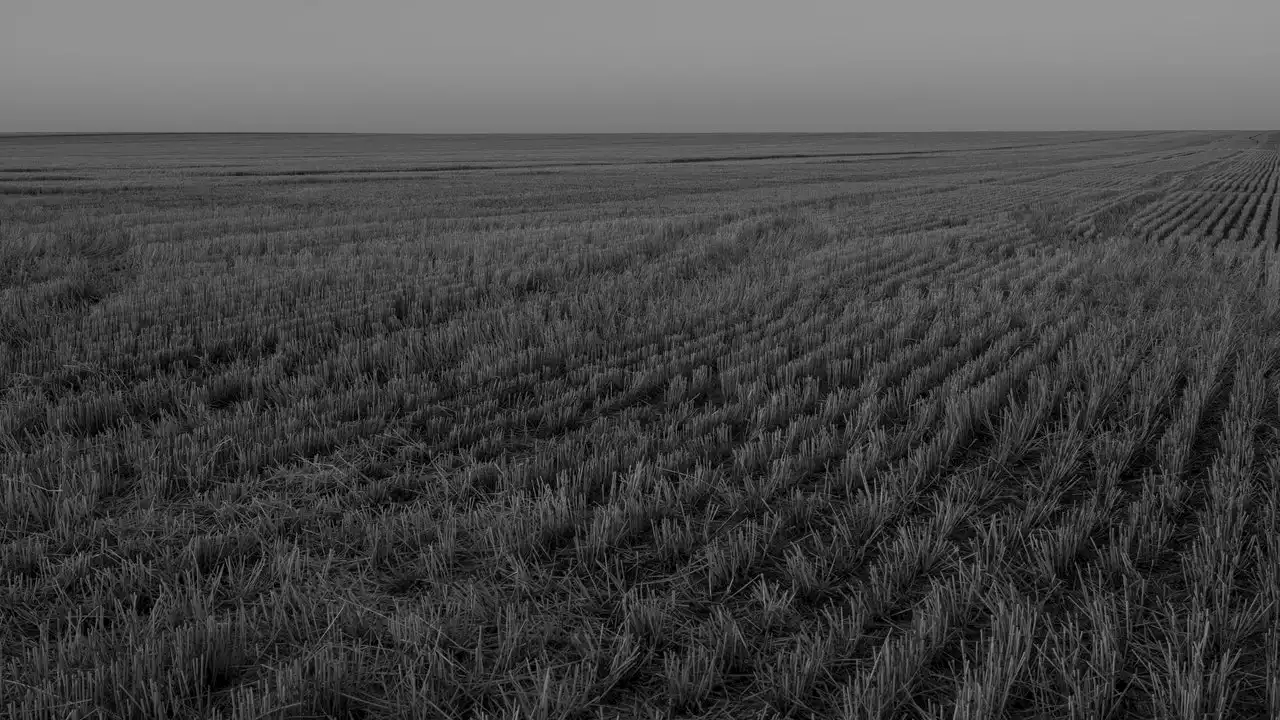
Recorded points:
(135, 133)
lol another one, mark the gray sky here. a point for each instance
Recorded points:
(637, 65)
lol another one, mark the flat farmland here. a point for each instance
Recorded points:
(714, 426)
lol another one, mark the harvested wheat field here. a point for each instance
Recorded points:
(709, 426)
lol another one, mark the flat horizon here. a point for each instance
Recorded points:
(1029, 131)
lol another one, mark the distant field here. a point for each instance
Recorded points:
(868, 426)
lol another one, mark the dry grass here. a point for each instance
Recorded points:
(978, 427)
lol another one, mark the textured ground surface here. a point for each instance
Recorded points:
(965, 426)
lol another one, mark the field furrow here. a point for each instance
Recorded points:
(799, 427)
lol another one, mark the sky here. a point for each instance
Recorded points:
(637, 65)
